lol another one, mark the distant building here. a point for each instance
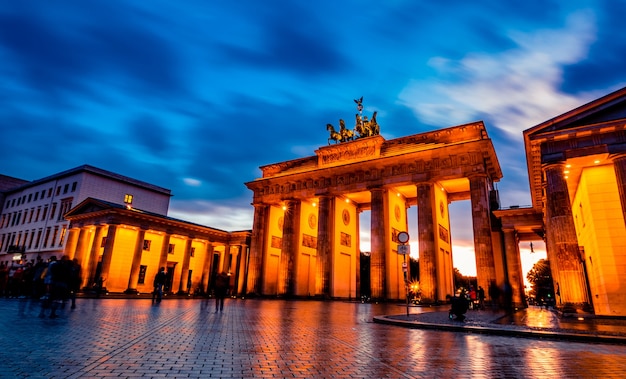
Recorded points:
(118, 230)
(32, 222)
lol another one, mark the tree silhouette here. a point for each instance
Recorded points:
(540, 279)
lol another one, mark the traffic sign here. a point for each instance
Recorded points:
(403, 237)
(404, 249)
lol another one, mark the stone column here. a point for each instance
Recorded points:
(257, 249)
(562, 241)
(379, 243)
(81, 245)
(165, 249)
(426, 237)
(107, 254)
(227, 258)
(619, 165)
(514, 268)
(133, 277)
(481, 221)
(325, 227)
(184, 274)
(71, 243)
(89, 272)
(289, 249)
(243, 276)
(206, 267)
(358, 254)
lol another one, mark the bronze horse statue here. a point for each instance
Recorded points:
(365, 127)
(334, 135)
(346, 134)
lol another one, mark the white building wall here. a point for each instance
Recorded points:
(22, 220)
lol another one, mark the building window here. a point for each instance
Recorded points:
(32, 236)
(142, 274)
(53, 210)
(66, 188)
(30, 197)
(38, 237)
(74, 186)
(192, 252)
(66, 205)
(55, 234)
(45, 212)
(46, 237)
(63, 233)
(49, 191)
(36, 196)
(58, 191)
(128, 199)
(146, 245)
(170, 248)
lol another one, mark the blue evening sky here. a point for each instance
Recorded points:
(195, 95)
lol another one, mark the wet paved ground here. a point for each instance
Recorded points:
(184, 338)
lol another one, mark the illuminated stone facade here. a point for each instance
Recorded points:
(305, 238)
(577, 171)
(126, 246)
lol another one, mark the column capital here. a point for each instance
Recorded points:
(553, 165)
(619, 156)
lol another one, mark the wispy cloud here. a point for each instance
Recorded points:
(516, 88)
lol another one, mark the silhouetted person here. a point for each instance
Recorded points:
(481, 297)
(222, 283)
(494, 295)
(56, 281)
(74, 280)
(459, 306)
(159, 282)
(507, 297)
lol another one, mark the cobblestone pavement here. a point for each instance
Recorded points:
(185, 338)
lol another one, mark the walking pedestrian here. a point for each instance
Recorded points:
(481, 297)
(74, 281)
(159, 282)
(222, 284)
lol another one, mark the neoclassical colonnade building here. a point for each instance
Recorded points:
(305, 236)
(577, 170)
(126, 246)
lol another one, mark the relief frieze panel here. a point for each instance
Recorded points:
(309, 241)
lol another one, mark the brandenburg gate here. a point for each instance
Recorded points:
(305, 236)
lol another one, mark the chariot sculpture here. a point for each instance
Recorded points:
(362, 128)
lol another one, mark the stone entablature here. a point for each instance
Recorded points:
(446, 154)
(358, 150)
